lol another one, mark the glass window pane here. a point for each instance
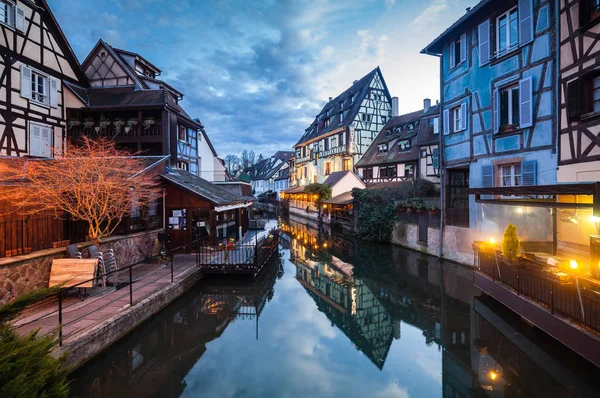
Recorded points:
(503, 108)
(515, 106)
(502, 39)
(517, 169)
(514, 29)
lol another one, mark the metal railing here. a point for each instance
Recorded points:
(457, 217)
(577, 298)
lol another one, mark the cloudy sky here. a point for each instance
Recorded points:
(257, 72)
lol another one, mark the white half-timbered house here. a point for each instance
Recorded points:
(343, 130)
(37, 70)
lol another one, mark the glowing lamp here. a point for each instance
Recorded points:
(325, 245)
(573, 264)
(595, 219)
(492, 241)
(493, 375)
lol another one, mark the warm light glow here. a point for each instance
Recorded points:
(493, 375)
(574, 264)
(325, 245)
(305, 241)
(520, 210)
(324, 206)
(492, 241)
(595, 219)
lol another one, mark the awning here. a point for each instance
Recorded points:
(294, 190)
(342, 199)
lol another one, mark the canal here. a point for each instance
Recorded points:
(336, 317)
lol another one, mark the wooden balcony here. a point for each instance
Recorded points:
(121, 134)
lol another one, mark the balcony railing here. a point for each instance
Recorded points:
(387, 179)
(579, 301)
(110, 131)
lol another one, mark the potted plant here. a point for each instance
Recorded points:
(104, 123)
(118, 123)
(132, 122)
(510, 243)
(89, 123)
(401, 206)
(434, 210)
(74, 122)
(148, 122)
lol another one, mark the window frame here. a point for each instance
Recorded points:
(46, 84)
(454, 111)
(346, 164)
(501, 53)
(179, 134)
(381, 150)
(327, 168)
(512, 175)
(11, 17)
(456, 55)
(51, 147)
(510, 88)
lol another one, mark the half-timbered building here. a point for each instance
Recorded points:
(498, 87)
(343, 130)
(579, 145)
(127, 102)
(37, 70)
(405, 149)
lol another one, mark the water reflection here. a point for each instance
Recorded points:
(340, 318)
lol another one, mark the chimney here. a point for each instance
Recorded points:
(330, 98)
(426, 104)
(468, 9)
(395, 107)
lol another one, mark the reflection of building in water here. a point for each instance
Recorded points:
(348, 302)
(154, 360)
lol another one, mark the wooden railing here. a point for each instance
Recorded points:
(110, 131)
(457, 217)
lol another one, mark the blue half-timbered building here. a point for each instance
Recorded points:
(498, 93)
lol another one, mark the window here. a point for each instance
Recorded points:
(40, 140)
(409, 171)
(326, 123)
(334, 142)
(327, 168)
(383, 148)
(183, 165)
(436, 125)
(404, 145)
(383, 119)
(509, 106)
(511, 175)
(507, 32)
(182, 133)
(39, 88)
(347, 164)
(388, 171)
(458, 51)
(5, 12)
(153, 208)
(327, 143)
(368, 173)
(341, 139)
(456, 119)
(366, 117)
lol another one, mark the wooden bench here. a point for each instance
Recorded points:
(70, 272)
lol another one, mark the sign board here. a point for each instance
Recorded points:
(350, 141)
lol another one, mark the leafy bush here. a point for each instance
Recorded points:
(27, 366)
(376, 214)
(323, 191)
(510, 243)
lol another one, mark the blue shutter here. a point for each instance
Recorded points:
(529, 172)
(496, 110)
(487, 174)
(436, 158)
(526, 103)
(463, 116)
(446, 121)
(484, 43)
(525, 21)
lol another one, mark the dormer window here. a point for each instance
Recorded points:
(383, 148)
(404, 145)
(388, 132)
(326, 123)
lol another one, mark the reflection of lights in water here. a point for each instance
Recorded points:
(519, 210)
(595, 219)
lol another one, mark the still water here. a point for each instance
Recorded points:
(333, 317)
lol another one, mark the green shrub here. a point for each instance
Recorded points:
(510, 242)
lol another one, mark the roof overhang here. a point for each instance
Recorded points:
(325, 135)
(220, 209)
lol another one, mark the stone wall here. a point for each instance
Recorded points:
(22, 274)
(457, 241)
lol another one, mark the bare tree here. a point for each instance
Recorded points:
(93, 182)
(248, 158)
(232, 164)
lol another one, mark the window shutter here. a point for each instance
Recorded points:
(496, 110)
(526, 103)
(463, 47)
(446, 121)
(573, 100)
(435, 157)
(452, 58)
(487, 174)
(35, 140)
(525, 21)
(20, 19)
(463, 116)
(529, 172)
(436, 126)
(484, 43)
(53, 93)
(46, 142)
(25, 82)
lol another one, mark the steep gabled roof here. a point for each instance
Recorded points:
(396, 130)
(266, 168)
(340, 105)
(124, 65)
(426, 135)
(68, 52)
(199, 186)
(136, 55)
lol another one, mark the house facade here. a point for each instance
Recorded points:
(37, 70)
(579, 107)
(498, 93)
(264, 173)
(343, 130)
(128, 103)
(406, 148)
